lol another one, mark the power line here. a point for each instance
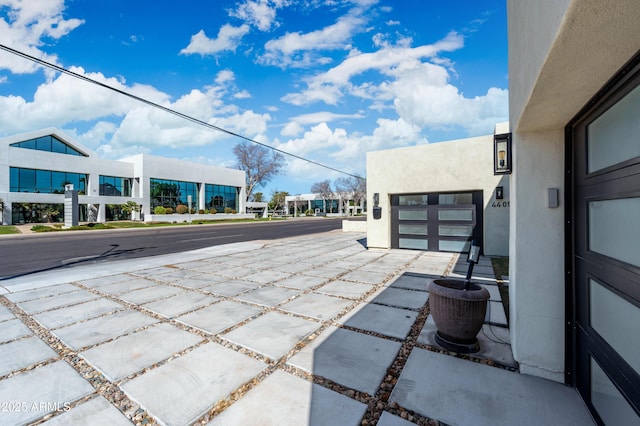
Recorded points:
(165, 109)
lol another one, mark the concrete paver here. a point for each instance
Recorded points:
(13, 329)
(219, 316)
(319, 306)
(268, 296)
(285, 400)
(231, 288)
(344, 289)
(103, 328)
(301, 282)
(125, 286)
(355, 360)
(402, 298)
(65, 316)
(179, 304)
(366, 277)
(5, 314)
(390, 420)
(149, 294)
(129, 354)
(181, 391)
(41, 292)
(53, 302)
(96, 411)
(412, 281)
(392, 322)
(23, 353)
(43, 390)
(495, 313)
(481, 395)
(272, 334)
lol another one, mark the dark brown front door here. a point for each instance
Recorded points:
(605, 259)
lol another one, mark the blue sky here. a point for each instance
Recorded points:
(326, 80)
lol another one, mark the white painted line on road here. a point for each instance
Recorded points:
(212, 238)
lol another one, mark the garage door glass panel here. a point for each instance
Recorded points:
(451, 199)
(411, 243)
(413, 215)
(450, 245)
(455, 230)
(608, 401)
(615, 320)
(613, 137)
(614, 229)
(413, 200)
(455, 214)
(413, 229)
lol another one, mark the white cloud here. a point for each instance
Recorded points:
(228, 39)
(300, 49)
(261, 13)
(25, 24)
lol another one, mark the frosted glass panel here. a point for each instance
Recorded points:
(414, 229)
(455, 230)
(414, 200)
(410, 243)
(608, 401)
(412, 215)
(457, 214)
(613, 137)
(614, 229)
(616, 320)
(455, 199)
(459, 246)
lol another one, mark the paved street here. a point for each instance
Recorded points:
(300, 331)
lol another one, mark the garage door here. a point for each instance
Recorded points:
(436, 221)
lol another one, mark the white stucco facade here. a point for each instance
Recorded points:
(444, 167)
(561, 53)
(140, 169)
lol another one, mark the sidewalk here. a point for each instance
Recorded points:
(304, 331)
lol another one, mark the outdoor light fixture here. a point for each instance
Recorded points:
(502, 154)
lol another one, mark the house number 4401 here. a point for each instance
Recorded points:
(500, 204)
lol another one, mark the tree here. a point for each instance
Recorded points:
(351, 188)
(129, 208)
(258, 197)
(277, 200)
(323, 189)
(259, 163)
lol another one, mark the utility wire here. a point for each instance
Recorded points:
(165, 109)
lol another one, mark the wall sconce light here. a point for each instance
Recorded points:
(502, 154)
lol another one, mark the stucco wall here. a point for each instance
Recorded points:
(462, 165)
(561, 52)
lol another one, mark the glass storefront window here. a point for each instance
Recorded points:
(171, 193)
(115, 186)
(45, 181)
(221, 197)
(48, 144)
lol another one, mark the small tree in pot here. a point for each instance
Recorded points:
(459, 308)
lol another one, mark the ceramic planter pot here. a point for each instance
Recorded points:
(458, 311)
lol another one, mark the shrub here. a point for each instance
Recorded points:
(182, 209)
(159, 210)
(169, 210)
(228, 210)
(201, 211)
(214, 211)
(309, 212)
